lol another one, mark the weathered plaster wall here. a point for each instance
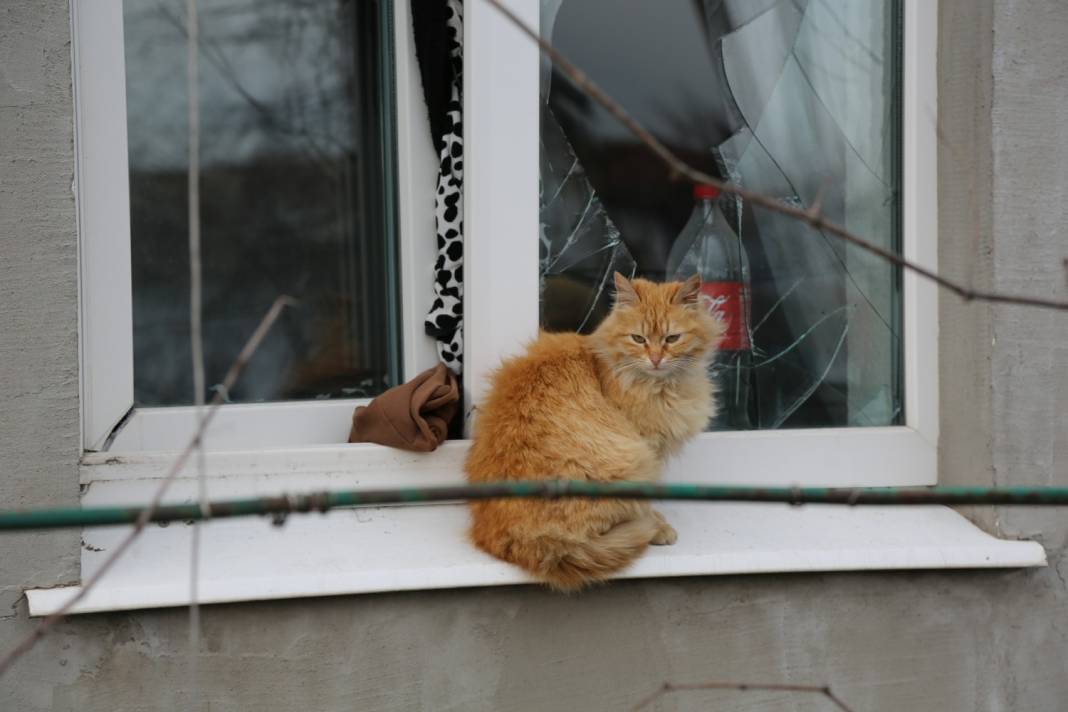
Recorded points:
(966, 244)
(1030, 356)
(935, 641)
(39, 436)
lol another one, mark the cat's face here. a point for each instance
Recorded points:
(658, 330)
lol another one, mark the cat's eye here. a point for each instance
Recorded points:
(671, 338)
(638, 338)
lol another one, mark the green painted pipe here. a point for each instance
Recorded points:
(14, 520)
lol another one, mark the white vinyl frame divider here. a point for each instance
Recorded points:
(102, 195)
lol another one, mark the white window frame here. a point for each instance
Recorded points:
(501, 113)
(500, 298)
(425, 547)
(109, 419)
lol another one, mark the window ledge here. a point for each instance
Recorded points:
(424, 547)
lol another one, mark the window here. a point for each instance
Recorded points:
(297, 184)
(315, 168)
(837, 391)
(874, 421)
(792, 99)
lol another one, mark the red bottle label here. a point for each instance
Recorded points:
(726, 301)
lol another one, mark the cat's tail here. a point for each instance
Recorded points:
(573, 564)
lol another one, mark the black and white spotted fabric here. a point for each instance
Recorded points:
(445, 320)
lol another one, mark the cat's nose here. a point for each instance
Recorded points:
(656, 359)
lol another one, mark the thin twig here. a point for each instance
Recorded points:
(677, 168)
(669, 687)
(196, 331)
(816, 209)
(145, 515)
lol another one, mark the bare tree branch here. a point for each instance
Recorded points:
(669, 687)
(196, 331)
(680, 169)
(238, 365)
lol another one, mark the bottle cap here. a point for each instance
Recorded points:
(703, 190)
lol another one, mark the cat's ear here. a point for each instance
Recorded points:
(689, 292)
(625, 292)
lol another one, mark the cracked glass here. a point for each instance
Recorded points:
(296, 189)
(797, 99)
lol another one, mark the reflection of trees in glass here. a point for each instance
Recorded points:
(792, 98)
(293, 195)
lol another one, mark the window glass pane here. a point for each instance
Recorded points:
(296, 196)
(791, 98)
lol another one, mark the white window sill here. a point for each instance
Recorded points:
(424, 546)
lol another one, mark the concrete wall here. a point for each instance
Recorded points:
(39, 436)
(931, 641)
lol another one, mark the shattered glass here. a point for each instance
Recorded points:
(296, 197)
(795, 99)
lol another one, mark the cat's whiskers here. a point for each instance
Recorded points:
(626, 371)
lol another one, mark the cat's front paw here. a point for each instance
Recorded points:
(665, 534)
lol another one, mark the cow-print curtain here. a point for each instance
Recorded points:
(439, 45)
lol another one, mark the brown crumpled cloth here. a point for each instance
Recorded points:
(411, 416)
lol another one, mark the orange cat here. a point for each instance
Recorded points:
(609, 406)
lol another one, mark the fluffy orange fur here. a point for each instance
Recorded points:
(607, 407)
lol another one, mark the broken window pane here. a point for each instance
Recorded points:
(796, 99)
(296, 196)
